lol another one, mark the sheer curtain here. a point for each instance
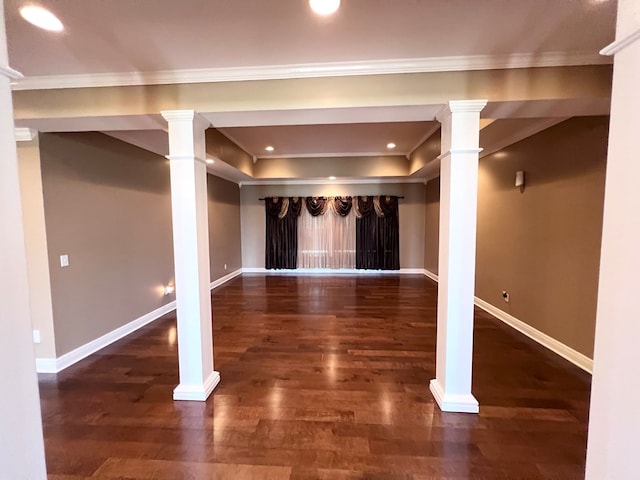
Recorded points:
(327, 241)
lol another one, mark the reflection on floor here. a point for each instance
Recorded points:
(322, 378)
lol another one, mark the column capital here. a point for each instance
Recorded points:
(25, 134)
(10, 73)
(460, 106)
(185, 115)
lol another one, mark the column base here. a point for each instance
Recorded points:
(453, 403)
(197, 393)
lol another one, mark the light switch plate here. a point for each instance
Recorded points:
(64, 260)
(36, 336)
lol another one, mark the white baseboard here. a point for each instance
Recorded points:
(431, 275)
(566, 352)
(197, 393)
(226, 278)
(578, 359)
(334, 271)
(453, 403)
(56, 365)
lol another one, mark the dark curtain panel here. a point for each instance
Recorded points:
(342, 206)
(389, 235)
(316, 205)
(377, 237)
(281, 214)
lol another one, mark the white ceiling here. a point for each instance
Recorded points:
(168, 35)
(363, 139)
(120, 42)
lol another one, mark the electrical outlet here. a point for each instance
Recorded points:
(64, 260)
(505, 296)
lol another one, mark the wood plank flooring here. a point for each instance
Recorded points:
(322, 378)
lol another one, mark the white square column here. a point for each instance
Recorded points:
(457, 255)
(187, 157)
(614, 419)
(21, 442)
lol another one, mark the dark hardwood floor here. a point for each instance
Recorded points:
(322, 378)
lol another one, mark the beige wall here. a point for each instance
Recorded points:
(428, 151)
(107, 205)
(224, 227)
(411, 212)
(222, 148)
(323, 167)
(431, 225)
(35, 239)
(543, 245)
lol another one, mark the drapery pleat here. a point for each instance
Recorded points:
(342, 206)
(316, 205)
(281, 249)
(377, 233)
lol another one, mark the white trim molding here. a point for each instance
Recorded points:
(621, 44)
(453, 403)
(225, 279)
(566, 352)
(10, 73)
(24, 134)
(578, 359)
(431, 275)
(56, 365)
(333, 271)
(197, 393)
(311, 70)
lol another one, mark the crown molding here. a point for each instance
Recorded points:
(24, 134)
(310, 70)
(10, 73)
(621, 44)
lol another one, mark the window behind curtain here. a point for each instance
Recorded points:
(327, 241)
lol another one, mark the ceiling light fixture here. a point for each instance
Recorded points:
(210, 160)
(391, 145)
(332, 177)
(269, 148)
(42, 18)
(324, 7)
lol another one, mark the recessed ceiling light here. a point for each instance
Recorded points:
(324, 7)
(391, 145)
(269, 148)
(41, 17)
(332, 177)
(210, 160)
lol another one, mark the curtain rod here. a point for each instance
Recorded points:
(324, 198)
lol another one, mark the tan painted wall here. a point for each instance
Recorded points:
(224, 149)
(107, 206)
(543, 245)
(35, 239)
(425, 153)
(411, 211)
(431, 225)
(322, 168)
(224, 227)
